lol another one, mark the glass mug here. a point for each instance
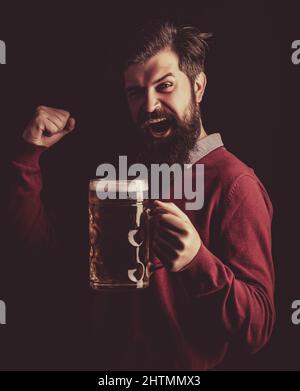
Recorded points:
(119, 234)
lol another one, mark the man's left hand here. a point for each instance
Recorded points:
(175, 239)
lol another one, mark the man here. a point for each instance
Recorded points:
(212, 292)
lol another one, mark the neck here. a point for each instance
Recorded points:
(202, 132)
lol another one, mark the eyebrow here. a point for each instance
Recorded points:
(163, 77)
(131, 88)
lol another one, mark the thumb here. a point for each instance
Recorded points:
(70, 125)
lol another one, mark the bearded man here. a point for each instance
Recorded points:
(212, 292)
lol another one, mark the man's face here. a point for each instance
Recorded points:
(164, 107)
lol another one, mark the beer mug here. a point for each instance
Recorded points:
(119, 234)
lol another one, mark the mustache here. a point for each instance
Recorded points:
(145, 118)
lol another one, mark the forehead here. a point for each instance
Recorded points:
(162, 63)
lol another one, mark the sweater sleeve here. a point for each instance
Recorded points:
(240, 286)
(26, 220)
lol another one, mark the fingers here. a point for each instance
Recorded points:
(59, 117)
(167, 220)
(164, 252)
(70, 124)
(170, 207)
(174, 239)
(168, 237)
(50, 127)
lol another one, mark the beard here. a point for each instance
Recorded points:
(176, 147)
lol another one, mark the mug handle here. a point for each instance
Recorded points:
(151, 267)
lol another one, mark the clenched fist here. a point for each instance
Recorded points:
(175, 239)
(48, 126)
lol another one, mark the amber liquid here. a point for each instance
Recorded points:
(119, 243)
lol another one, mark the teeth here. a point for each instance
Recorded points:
(154, 121)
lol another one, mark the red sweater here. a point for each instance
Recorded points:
(223, 299)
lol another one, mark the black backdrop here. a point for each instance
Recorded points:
(62, 55)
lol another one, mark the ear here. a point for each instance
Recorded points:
(199, 86)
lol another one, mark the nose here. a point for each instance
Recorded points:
(151, 102)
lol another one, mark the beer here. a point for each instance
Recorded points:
(119, 235)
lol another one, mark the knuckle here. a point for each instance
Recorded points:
(65, 113)
(39, 118)
(40, 108)
(39, 122)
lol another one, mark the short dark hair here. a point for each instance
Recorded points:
(186, 41)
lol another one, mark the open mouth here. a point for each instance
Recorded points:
(160, 128)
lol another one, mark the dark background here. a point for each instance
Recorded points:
(63, 55)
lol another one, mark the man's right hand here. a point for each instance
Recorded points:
(48, 126)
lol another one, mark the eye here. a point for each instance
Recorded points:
(165, 86)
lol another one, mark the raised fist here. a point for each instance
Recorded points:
(48, 126)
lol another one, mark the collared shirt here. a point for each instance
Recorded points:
(206, 145)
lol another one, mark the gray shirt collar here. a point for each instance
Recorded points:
(205, 146)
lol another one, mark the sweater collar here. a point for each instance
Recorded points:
(204, 146)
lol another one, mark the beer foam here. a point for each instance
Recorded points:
(119, 186)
